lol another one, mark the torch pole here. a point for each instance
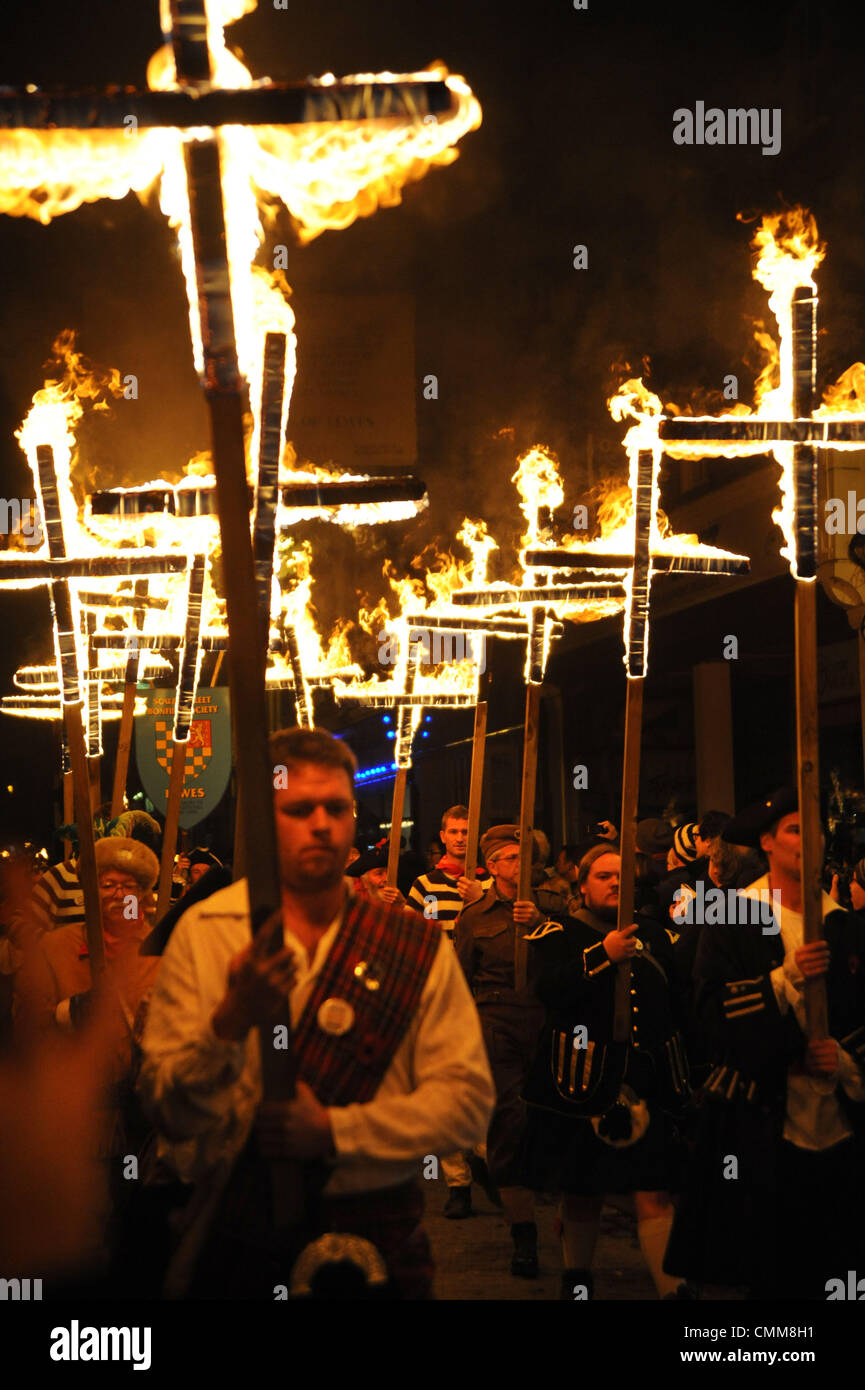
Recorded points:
(68, 808)
(636, 664)
(72, 688)
(127, 713)
(124, 743)
(476, 787)
(394, 844)
(225, 395)
(86, 848)
(172, 823)
(811, 831)
(527, 817)
(860, 645)
(405, 719)
(628, 844)
(804, 351)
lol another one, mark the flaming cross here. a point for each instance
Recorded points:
(57, 570)
(409, 703)
(636, 570)
(213, 177)
(230, 127)
(796, 429)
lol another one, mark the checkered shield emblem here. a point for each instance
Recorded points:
(208, 752)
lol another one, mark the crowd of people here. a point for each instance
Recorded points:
(534, 1045)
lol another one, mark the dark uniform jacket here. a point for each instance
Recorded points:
(726, 1231)
(746, 1031)
(575, 980)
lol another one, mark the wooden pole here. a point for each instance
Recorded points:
(393, 848)
(628, 845)
(68, 810)
(811, 831)
(72, 690)
(225, 395)
(803, 347)
(476, 787)
(527, 818)
(124, 744)
(860, 646)
(172, 822)
(127, 713)
(86, 850)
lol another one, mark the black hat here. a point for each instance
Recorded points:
(375, 858)
(204, 856)
(654, 837)
(747, 827)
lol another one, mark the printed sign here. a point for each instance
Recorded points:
(208, 752)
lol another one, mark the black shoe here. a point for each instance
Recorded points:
(574, 1283)
(481, 1175)
(684, 1291)
(459, 1203)
(524, 1263)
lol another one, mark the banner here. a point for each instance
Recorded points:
(208, 752)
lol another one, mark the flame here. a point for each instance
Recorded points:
(326, 175)
(480, 544)
(539, 484)
(291, 606)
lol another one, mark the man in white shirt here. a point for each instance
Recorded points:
(789, 1111)
(391, 1061)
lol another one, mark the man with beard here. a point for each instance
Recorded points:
(390, 1060)
(790, 1111)
(600, 1106)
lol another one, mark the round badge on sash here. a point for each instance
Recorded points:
(335, 1016)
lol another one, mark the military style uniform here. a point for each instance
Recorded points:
(579, 1068)
(794, 1211)
(487, 944)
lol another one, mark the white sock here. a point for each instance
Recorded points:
(653, 1234)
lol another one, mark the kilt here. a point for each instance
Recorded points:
(566, 1156)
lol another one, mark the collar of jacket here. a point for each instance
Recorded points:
(589, 919)
(491, 899)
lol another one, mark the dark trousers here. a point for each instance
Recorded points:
(510, 1036)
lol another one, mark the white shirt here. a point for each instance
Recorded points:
(814, 1118)
(436, 1096)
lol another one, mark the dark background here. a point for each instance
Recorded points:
(575, 147)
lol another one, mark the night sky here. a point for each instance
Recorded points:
(576, 147)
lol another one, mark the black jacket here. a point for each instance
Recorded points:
(575, 979)
(744, 1028)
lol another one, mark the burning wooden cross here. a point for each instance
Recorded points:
(647, 555)
(795, 429)
(477, 629)
(409, 704)
(56, 569)
(211, 105)
(214, 121)
(541, 605)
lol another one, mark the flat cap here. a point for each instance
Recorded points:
(499, 836)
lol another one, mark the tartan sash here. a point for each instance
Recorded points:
(396, 949)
